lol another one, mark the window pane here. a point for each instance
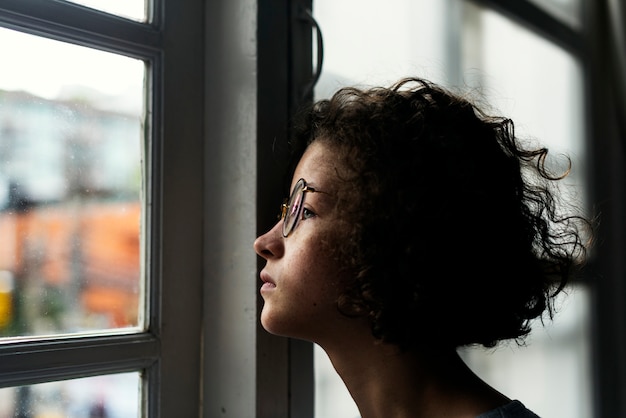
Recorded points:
(111, 396)
(132, 9)
(381, 42)
(70, 185)
(537, 84)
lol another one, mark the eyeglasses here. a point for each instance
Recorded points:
(291, 210)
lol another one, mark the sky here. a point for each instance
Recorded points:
(134, 9)
(48, 68)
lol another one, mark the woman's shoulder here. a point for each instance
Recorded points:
(513, 409)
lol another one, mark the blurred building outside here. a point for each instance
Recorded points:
(70, 225)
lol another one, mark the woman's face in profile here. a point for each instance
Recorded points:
(301, 278)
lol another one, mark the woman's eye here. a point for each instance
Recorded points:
(307, 213)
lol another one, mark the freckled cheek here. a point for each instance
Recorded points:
(320, 284)
(316, 273)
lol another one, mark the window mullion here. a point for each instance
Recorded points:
(539, 21)
(39, 361)
(79, 24)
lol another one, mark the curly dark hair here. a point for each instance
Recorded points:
(451, 229)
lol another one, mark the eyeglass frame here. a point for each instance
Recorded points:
(284, 208)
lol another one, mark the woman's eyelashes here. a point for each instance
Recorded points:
(307, 213)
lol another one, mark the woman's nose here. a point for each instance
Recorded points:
(270, 244)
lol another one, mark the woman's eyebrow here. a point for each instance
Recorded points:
(319, 195)
(320, 189)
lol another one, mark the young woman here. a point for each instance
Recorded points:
(416, 224)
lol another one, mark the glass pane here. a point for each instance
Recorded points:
(523, 77)
(70, 183)
(537, 84)
(131, 9)
(382, 42)
(111, 396)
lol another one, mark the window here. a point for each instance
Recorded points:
(101, 183)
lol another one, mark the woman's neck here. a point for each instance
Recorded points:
(385, 382)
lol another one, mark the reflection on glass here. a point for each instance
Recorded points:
(70, 186)
(538, 85)
(131, 9)
(111, 396)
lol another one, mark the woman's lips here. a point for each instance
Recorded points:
(267, 286)
(268, 283)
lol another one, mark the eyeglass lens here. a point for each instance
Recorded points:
(293, 208)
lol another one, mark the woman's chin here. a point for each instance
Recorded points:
(271, 323)
(280, 326)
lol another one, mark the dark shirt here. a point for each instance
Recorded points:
(514, 409)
